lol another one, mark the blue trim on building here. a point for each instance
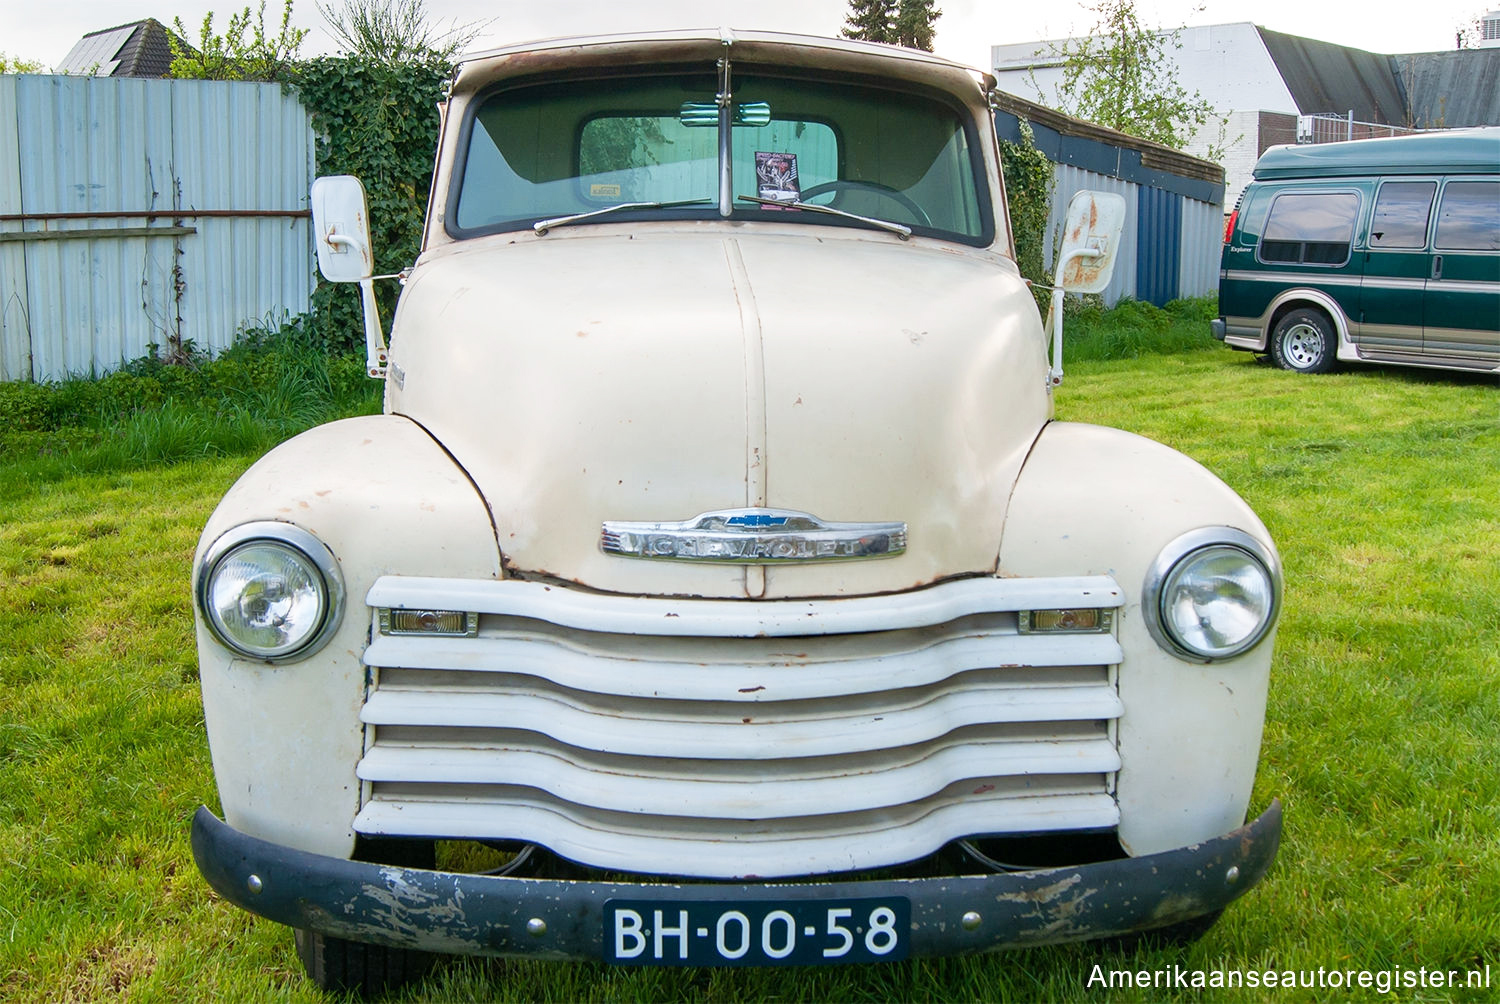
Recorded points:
(1106, 159)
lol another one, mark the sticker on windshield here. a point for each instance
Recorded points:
(604, 191)
(776, 176)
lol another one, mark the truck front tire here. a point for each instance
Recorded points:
(366, 970)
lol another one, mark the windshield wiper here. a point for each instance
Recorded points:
(895, 228)
(542, 226)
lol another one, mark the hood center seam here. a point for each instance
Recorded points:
(755, 398)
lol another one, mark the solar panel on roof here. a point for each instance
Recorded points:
(97, 53)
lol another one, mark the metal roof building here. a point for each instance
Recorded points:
(1273, 88)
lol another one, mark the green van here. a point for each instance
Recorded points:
(1380, 250)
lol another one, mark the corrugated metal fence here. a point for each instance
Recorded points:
(146, 212)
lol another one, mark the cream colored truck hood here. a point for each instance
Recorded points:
(656, 374)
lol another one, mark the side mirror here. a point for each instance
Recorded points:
(1086, 260)
(1090, 241)
(341, 227)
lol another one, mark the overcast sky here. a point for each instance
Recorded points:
(45, 31)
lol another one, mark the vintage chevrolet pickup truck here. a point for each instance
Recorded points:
(716, 587)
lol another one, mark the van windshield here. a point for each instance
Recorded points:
(547, 151)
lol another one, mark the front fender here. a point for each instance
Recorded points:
(1090, 501)
(386, 499)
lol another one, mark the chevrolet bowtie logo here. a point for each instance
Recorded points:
(755, 519)
(753, 537)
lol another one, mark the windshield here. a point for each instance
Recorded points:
(563, 149)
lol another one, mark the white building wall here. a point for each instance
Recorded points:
(1225, 63)
(1240, 150)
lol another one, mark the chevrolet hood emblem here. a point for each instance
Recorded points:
(753, 537)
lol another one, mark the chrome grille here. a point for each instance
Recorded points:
(730, 738)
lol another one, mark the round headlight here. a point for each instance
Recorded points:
(1212, 594)
(270, 591)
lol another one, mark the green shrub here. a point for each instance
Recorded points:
(273, 383)
(25, 405)
(1133, 328)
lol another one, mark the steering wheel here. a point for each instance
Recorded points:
(873, 188)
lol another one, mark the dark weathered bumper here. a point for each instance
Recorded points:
(488, 915)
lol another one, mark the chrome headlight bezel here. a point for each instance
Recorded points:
(1186, 548)
(302, 544)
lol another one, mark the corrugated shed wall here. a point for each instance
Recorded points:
(93, 145)
(1202, 244)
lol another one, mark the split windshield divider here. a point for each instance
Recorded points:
(725, 100)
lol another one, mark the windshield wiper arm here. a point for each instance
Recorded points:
(900, 231)
(542, 226)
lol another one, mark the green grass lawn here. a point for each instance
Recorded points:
(1381, 487)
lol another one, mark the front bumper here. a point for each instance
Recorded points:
(488, 915)
(1218, 327)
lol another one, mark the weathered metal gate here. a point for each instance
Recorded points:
(136, 213)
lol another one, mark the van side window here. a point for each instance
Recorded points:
(1402, 210)
(1310, 228)
(1469, 217)
(1257, 203)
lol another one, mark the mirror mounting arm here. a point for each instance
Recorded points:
(376, 357)
(375, 350)
(1055, 312)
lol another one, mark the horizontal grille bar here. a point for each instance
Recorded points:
(751, 670)
(736, 789)
(707, 729)
(719, 849)
(738, 618)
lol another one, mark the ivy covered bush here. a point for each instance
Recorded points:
(1028, 192)
(379, 122)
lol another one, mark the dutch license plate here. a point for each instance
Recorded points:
(642, 932)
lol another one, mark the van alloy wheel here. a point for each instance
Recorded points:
(1304, 340)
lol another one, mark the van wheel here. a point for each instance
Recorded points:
(365, 970)
(1305, 341)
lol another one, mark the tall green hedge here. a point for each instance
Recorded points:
(378, 122)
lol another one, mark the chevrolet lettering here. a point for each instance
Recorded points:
(929, 673)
